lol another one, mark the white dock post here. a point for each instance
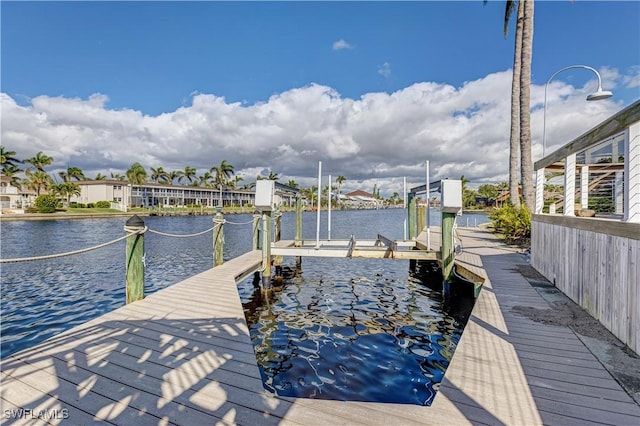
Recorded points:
(539, 191)
(584, 187)
(569, 185)
(428, 211)
(329, 212)
(632, 175)
(619, 193)
(404, 206)
(318, 214)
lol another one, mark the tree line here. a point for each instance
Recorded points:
(30, 174)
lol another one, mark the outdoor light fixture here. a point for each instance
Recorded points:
(598, 95)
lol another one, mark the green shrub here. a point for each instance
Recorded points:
(103, 204)
(602, 204)
(514, 224)
(46, 203)
(90, 205)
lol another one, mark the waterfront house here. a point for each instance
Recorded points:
(124, 195)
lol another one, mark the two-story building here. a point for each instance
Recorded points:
(150, 195)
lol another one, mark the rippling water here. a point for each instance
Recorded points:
(354, 329)
(42, 298)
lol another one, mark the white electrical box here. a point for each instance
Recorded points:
(265, 190)
(451, 191)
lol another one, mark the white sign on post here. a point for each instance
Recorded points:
(265, 190)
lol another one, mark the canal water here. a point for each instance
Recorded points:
(340, 310)
(355, 329)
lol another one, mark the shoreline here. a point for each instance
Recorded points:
(14, 217)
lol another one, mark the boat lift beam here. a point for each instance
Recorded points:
(381, 248)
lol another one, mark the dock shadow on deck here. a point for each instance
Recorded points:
(183, 356)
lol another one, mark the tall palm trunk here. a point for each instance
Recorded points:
(525, 103)
(514, 143)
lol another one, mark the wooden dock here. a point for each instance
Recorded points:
(183, 356)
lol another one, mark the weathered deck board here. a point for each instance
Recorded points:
(183, 356)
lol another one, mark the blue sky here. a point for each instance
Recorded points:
(152, 60)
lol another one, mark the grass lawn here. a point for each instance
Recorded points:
(92, 210)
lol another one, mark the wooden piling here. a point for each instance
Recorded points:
(298, 237)
(218, 238)
(421, 219)
(448, 220)
(135, 261)
(412, 215)
(277, 234)
(266, 250)
(256, 232)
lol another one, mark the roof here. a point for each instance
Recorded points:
(360, 193)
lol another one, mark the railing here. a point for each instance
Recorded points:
(604, 161)
(135, 230)
(585, 235)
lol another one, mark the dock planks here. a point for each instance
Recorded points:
(183, 356)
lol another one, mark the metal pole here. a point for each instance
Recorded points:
(298, 237)
(428, 211)
(318, 207)
(404, 206)
(266, 250)
(329, 212)
(598, 95)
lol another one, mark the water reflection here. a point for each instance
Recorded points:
(42, 298)
(369, 331)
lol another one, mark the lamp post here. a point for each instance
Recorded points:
(595, 96)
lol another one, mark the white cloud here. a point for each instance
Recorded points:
(385, 70)
(632, 80)
(379, 137)
(341, 44)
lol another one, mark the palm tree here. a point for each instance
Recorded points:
(273, 175)
(9, 166)
(189, 173)
(118, 176)
(100, 176)
(173, 176)
(38, 181)
(38, 162)
(339, 181)
(222, 173)
(205, 179)
(8, 161)
(12, 172)
(159, 175)
(310, 194)
(136, 174)
(236, 180)
(65, 190)
(71, 173)
(526, 163)
(515, 98)
(292, 183)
